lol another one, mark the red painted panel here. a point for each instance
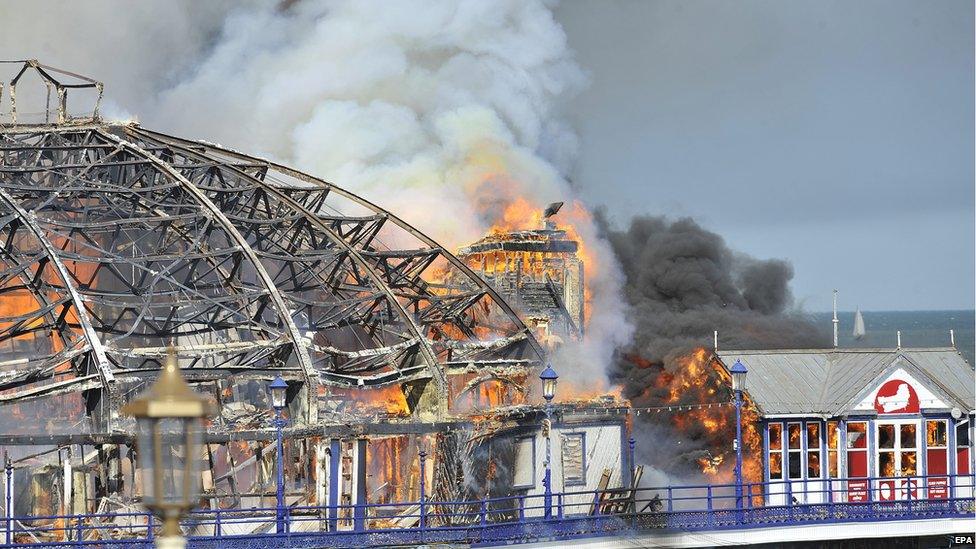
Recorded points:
(896, 397)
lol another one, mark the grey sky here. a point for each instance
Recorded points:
(836, 134)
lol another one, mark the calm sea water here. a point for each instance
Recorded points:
(918, 329)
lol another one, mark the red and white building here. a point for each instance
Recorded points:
(894, 424)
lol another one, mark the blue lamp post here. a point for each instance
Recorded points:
(738, 372)
(278, 388)
(548, 377)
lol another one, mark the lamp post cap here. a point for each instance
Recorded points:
(738, 367)
(548, 373)
(278, 383)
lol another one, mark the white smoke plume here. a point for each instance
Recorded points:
(439, 111)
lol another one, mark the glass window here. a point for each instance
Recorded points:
(908, 439)
(936, 440)
(776, 465)
(813, 435)
(832, 464)
(857, 434)
(908, 464)
(775, 436)
(813, 464)
(886, 464)
(796, 467)
(962, 448)
(857, 443)
(886, 436)
(793, 430)
(935, 433)
(794, 457)
(833, 435)
(775, 431)
(574, 458)
(962, 434)
(833, 440)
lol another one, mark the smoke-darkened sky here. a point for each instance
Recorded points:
(835, 134)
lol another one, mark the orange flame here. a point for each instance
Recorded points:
(700, 379)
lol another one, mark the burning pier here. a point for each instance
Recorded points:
(119, 240)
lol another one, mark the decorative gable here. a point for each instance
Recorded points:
(900, 392)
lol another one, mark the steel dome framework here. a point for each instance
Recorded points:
(118, 240)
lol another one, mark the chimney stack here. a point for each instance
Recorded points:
(898, 334)
(952, 338)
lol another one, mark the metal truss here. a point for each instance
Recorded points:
(119, 240)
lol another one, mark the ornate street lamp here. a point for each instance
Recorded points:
(548, 377)
(738, 372)
(278, 389)
(169, 417)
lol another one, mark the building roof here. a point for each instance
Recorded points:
(832, 381)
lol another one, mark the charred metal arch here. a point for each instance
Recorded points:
(100, 361)
(304, 361)
(354, 254)
(86, 145)
(327, 187)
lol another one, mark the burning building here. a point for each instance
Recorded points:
(539, 272)
(119, 241)
(860, 424)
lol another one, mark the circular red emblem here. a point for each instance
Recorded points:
(896, 396)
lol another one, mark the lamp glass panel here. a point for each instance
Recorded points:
(278, 397)
(170, 461)
(739, 381)
(549, 388)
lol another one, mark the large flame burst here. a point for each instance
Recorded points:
(698, 380)
(519, 214)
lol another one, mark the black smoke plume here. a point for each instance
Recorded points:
(682, 283)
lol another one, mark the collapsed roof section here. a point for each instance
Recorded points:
(119, 240)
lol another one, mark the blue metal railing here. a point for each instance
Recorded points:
(523, 517)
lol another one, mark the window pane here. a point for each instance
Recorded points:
(935, 433)
(833, 434)
(962, 434)
(856, 432)
(962, 461)
(776, 465)
(813, 464)
(908, 435)
(886, 436)
(886, 464)
(908, 463)
(796, 467)
(775, 436)
(832, 464)
(793, 430)
(813, 435)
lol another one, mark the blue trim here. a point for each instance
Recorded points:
(498, 524)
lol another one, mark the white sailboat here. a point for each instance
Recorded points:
(858, 324)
